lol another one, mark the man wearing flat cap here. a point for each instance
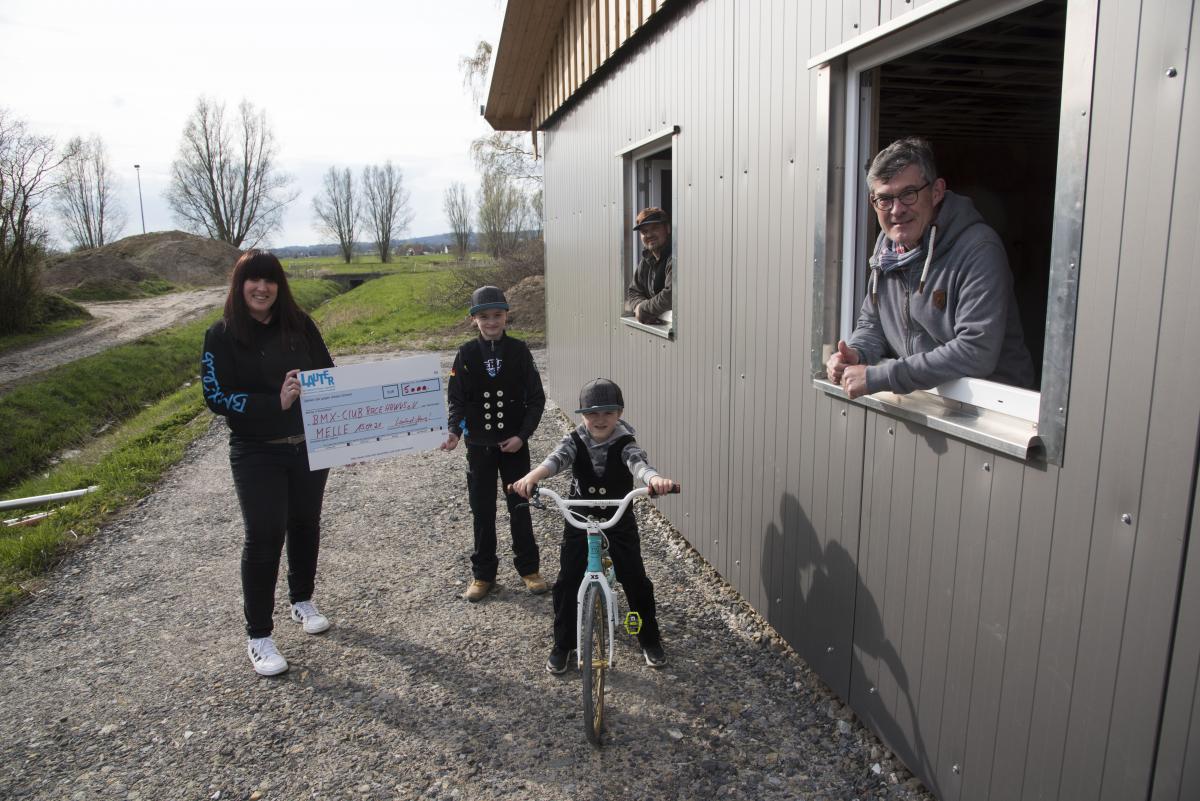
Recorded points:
(648, 296)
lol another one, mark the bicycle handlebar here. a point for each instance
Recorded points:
(567, 506)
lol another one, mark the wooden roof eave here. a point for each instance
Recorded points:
(530, 30)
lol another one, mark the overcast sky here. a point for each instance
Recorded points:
(344, 84)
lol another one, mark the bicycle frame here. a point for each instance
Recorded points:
(595, 568)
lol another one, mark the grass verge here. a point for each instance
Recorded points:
(55, 315)
(117, 289)
(125, 464)
(396, 311)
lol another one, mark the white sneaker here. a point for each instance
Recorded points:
(266, 660)
(306, 612)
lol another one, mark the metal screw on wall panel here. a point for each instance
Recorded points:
(1127, 519)
(1061, 410)
(987, 467)
(843, 412)
(1172, 72)
(743, 376)
(957, 768)
(829, 649)
(890, 430)
(714, 542)
(778, 600)
(872, 691)
(737, 562)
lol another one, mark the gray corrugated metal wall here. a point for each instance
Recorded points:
(1012, 637)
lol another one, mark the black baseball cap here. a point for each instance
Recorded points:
(488, 297)
(600, 395)
(649, 216)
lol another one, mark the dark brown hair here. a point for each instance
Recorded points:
(255, 264)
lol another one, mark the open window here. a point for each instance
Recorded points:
(648, 172)
(984, 82)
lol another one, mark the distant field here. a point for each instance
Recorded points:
(371, 263)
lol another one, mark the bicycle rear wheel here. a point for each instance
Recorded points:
(594, 656)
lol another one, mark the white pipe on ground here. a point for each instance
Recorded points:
(54, 496)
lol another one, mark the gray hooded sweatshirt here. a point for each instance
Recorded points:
(964, 322)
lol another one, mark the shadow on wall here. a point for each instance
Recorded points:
(825, 608)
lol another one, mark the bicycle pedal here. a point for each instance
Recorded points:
(633, 623)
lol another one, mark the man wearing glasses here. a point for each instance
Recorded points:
(940, 302)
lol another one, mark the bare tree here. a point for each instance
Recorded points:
(86, 198)
(537, 211)
(509, 153)
(459, 211)
(225, 182)
(386, 206)
(502, 212)
(27, 162)
(338, 210)
(475, 69)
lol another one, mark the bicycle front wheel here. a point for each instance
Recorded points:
(594, 656)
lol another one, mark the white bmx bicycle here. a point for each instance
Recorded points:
(596, 618)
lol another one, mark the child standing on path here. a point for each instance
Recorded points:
(605, 459)
(496, 400)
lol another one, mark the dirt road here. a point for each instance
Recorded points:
(116, 322)
(126, 676)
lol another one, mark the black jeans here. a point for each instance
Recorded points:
(281, 501)
(484, 464)
(625, 548)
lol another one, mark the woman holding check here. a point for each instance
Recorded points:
(250, 374)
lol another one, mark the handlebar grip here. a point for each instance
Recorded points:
(674, 490)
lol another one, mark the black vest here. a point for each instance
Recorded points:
(616, 482)
(495, 403)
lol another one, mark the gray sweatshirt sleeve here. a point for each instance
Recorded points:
(984, 288)
(868, 337)
(562, 457)
(638, 463)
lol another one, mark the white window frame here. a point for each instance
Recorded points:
(631, 156)
(1013, 420)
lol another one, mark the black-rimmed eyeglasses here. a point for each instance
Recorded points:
(906, 198)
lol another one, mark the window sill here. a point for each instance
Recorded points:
(666, 331)
(995, 430)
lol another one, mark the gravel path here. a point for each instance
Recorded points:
(126, 676)
(116, 322)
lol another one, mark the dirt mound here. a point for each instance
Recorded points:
(180, 258)
(527, 304)
(526, 307)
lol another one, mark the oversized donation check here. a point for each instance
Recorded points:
(363, 412)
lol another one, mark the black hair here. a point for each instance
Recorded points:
(251, 265)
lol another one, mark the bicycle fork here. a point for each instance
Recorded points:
(595, 575)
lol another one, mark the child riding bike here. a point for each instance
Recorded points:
(605, 460)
